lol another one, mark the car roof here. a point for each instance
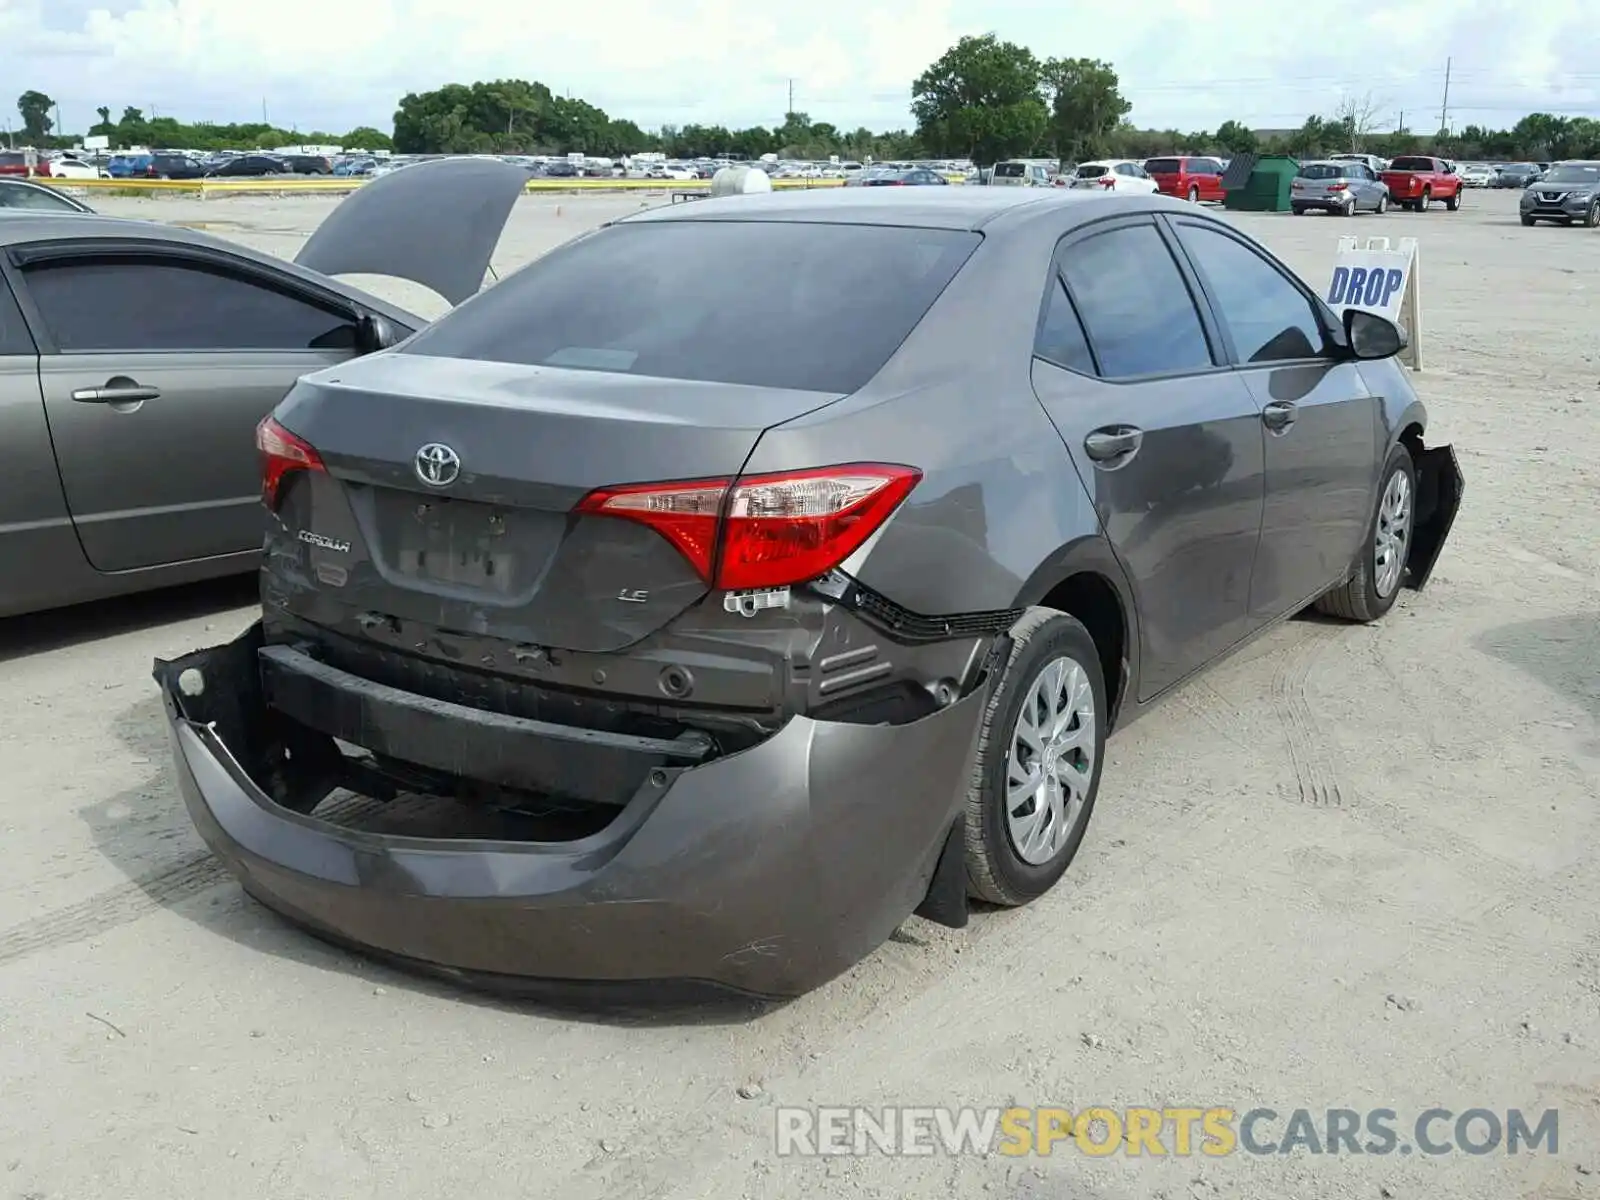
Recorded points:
(958, 207)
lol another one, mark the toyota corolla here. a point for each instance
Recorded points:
(640, 624)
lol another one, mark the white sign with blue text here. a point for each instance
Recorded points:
(1383, 279)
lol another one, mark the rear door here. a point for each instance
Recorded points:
(1319, 419)
(156, 363)
(1166, 439)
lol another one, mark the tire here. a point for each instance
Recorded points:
(1362, 597)
(1427, 199)
(997, 871)
(1529, 221)
(1454, 203)
(1382, 205)
(1591, 219)
(1194, 194)
(1298, 210)
(1349, 208)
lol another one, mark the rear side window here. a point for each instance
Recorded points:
(813, 307)
(1061, 338)
(1135, 304)
(1164, 166)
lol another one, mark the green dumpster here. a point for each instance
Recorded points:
(1266, 186)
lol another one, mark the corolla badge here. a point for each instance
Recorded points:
(437, 465)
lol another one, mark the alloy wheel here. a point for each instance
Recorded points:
(1392, 537)
(1050, 762)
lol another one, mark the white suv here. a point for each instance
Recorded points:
(1115, 175)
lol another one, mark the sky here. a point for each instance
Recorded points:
(1189, 64)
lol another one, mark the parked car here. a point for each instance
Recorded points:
(1192, 179)
(1568, 193)
(249, 166)
(1476, 175)
(857, 652)
(915, 177)
(1341, 187)
(70, 166)
(1019, 173)
(125, 344)
(19, 162)
(128, 166)
(167, 164)
(1417, 181)
(1375, 163)
(308, 164)
(1118, 175)
(25, 196)
(1517, 175)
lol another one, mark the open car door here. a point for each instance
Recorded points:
(433, 223)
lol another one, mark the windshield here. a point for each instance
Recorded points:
(1163, 166)
(1010, 170)
(1411, 164)
(813, 307)
(1321, 171)
(1519, 168)
(1574, 173)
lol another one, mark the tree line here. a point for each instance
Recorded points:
(984, 99)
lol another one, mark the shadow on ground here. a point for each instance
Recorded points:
(1563, 653)
(39, 633)
(146, 834)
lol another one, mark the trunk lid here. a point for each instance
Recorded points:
(450, 487)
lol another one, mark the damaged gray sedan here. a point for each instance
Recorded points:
(642, 625)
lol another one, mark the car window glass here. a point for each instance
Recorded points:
(1135, 304)
(1061, 337)
(1271, 319)
(42, 198)
(810, 306)
(142, 304)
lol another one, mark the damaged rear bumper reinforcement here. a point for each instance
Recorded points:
(764, 872)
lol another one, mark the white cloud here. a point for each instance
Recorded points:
(336, 63)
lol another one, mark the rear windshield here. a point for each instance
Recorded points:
(813, 307)
(1164, 166)
(1011, 170)
(1321, 171)
(1520, 167)
(1093, 170)
(1411, 164)
(1574, 173)
(10, 158)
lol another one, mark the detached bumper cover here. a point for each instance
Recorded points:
(1439, 484)
(765, 872)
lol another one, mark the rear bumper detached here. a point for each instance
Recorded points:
(763, 873)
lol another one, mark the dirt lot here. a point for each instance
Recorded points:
(1352, 868)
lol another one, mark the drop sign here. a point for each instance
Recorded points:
(1380, 278)
(1370, 287)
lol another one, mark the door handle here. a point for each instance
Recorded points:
(119, 394)
(1279, 415)
(1119, 441)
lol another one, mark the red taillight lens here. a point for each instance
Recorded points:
(1107, 181)
(764, 531)
(1337, 187)
(281, 453)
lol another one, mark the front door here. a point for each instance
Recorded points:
(1166, 439)
(1319, 420)
(155, 369)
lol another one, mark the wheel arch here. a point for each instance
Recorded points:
(1085, 580)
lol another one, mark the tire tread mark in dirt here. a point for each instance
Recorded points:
(1315, 780)
(114, 907)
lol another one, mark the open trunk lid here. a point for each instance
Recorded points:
(450, 486)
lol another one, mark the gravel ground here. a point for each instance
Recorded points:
(1351, 868)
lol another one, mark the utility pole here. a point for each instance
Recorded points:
(790, 109)
(264, 120)
(1444, 108)
(1401, 128)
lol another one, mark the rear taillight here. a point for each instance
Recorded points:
(1107, 181)
(1297, 187)
(1337, 187)
(282, 453)
(764, 531)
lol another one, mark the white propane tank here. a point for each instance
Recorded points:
(739, 181)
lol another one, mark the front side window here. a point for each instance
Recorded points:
(780, 304)
(1135, 304)
(143, 304)
(1269, 318)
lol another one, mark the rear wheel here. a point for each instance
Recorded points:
(1348, 208)
(1529, 221)
(1298, 210)
(1383, 203)
(1379, 570)
(1592, 217)
(1037, 770)
(1194, 194)
(1455, 200)
(1427, 199)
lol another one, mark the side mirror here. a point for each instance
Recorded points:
(1370, 336)
(374, 333)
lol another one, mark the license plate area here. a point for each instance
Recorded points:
(464, 544)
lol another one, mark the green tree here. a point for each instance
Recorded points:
(1236, 138)
(1086, 106)
(364, 137)
(980, 99)
(34, 108)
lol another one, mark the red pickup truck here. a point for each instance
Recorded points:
(1415, 182)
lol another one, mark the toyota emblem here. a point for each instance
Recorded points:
(437, 465)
